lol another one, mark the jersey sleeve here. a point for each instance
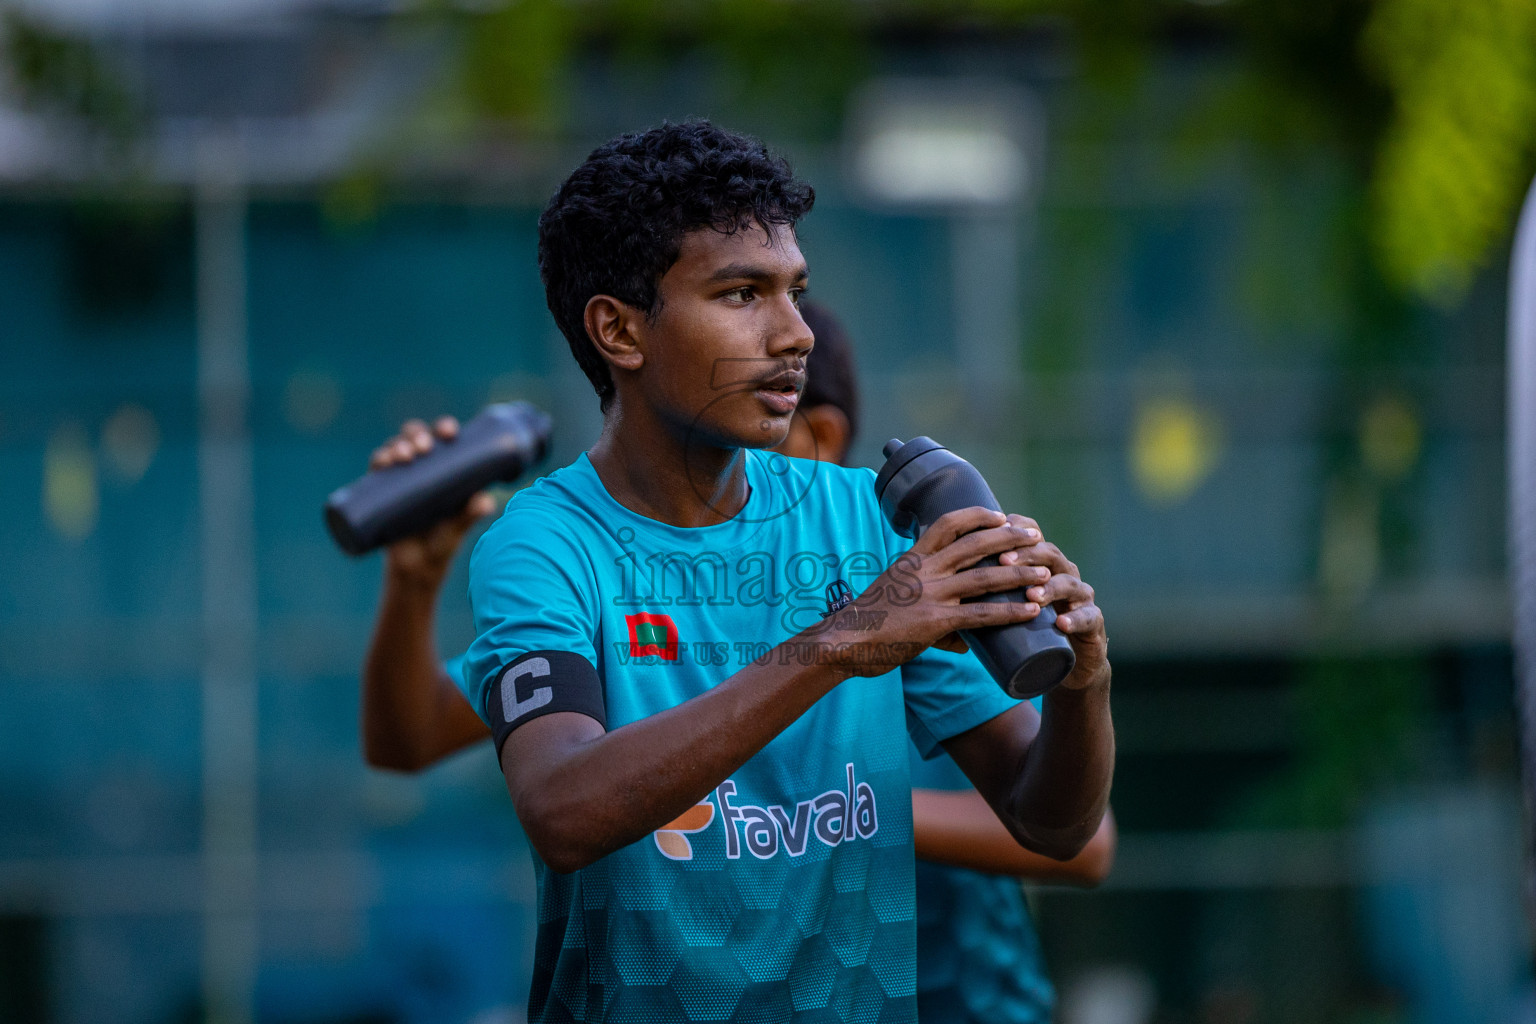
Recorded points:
(453, 668)
(940, 771)
(946, 693)
(533, 595)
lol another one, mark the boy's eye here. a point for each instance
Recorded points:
(743, 294)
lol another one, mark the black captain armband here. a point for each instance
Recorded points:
(541, 682)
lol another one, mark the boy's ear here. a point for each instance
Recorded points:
(610, 324)
(830, 427)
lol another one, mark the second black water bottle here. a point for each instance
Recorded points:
(387, 504)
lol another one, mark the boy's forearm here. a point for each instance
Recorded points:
(582, 793)
(1063, 792)
(958, 829)
(409, 713)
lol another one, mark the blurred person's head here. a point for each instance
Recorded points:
(630, 247)
(828, 418)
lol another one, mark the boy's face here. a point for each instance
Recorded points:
(725, 354)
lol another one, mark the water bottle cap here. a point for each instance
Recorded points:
(897, 457)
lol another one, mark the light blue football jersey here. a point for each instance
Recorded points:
(978, 955)
(787, 894)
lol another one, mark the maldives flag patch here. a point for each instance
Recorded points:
(652, 635)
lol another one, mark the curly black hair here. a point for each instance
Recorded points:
(616, 225)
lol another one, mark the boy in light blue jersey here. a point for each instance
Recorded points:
(978, 958)
(710, 836)
(712, 776)
(789, 887)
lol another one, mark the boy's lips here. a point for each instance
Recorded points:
(778, 401)
(781, 392)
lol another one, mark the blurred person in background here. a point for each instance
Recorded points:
(978, 955)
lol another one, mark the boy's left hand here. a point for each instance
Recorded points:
(1062, 587)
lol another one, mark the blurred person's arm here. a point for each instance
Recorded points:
(413, 715)
(957, 828)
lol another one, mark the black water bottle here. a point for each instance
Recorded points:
(920, 481)
(398, 501)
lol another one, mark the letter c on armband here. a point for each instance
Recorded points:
(540, 683)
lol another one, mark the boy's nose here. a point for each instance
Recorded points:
(792, 335)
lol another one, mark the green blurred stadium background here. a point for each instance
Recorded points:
(1222, 305)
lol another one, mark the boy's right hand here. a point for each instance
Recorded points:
(920, 601)
(424, 559)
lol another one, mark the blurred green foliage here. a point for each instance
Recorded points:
(515, 60)
(514, 57)
(1435, 100)
(1364, 724)
(54, 70)
(1456, 156)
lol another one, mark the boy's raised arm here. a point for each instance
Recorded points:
(412, 714)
